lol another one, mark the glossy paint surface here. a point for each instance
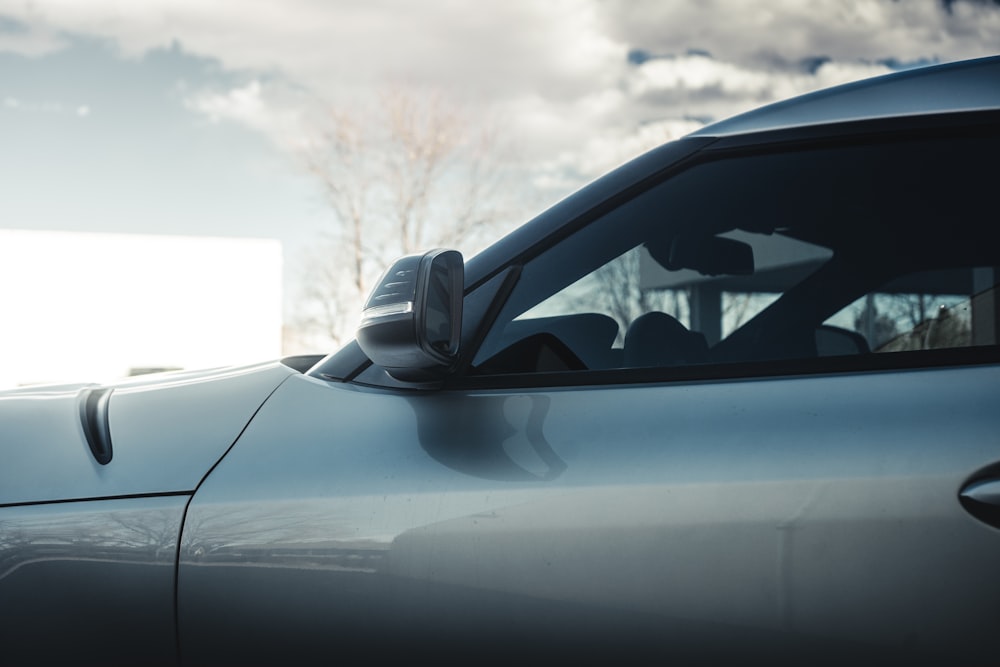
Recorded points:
(166, 434)
(89, 582)
(963, 86)
(760, 513)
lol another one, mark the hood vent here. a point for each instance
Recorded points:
(94, 417)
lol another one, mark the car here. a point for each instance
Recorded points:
(735, 400)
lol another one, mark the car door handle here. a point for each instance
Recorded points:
(982, 500)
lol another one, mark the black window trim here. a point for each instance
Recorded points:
(874, 362)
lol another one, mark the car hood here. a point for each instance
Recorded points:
(166, 432)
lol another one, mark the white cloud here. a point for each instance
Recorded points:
(696, 85)
(557, 72)
(484, 57)
(243, 104)
(334, 47)
(602, 153)
(28, 39)
(770, 33)
(45, 106)
(287, 116)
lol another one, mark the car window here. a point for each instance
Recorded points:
(925, 311)
(829, 251)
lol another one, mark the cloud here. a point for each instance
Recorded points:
(295, 52)
(334, 47)
(27, 39)
(243, 104)
(45, 107)
(786, 33)
(287, 115)
(697, 85)
(603, 152)
(571, 79)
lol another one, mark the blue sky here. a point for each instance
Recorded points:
(182, 116)
(96, 142)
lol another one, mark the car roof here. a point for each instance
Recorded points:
(922, 93)
(968, 85)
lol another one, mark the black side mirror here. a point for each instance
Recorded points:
(412, 322)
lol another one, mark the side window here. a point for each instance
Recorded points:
(830, 252)
(593, 314)
(929, 310)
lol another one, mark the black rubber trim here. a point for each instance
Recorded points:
(302, 362)
(94, 418)
(863, 363)
(341, 366)
(509, 281)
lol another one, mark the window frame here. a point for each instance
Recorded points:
(968, 124)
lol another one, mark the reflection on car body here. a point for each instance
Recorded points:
(735, 400)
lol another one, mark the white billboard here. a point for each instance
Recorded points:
(80, 307)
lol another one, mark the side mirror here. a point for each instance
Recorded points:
(412, 322)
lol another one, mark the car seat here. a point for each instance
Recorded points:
(658, 339)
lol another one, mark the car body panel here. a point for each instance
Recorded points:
(89, 582)
(167, 432)
(968, 85)
(749, 507)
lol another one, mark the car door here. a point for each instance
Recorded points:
(654, 448)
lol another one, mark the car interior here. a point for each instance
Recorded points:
(829, 252)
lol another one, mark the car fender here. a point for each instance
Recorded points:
(165, 432)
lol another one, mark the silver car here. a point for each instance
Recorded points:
(738, 400)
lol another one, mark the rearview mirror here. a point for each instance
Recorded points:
(708, 255)
(412, 322)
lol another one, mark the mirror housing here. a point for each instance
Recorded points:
(412, 322)
(708, 255)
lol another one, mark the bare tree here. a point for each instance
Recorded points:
(412, 173)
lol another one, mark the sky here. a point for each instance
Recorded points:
(187, 117)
